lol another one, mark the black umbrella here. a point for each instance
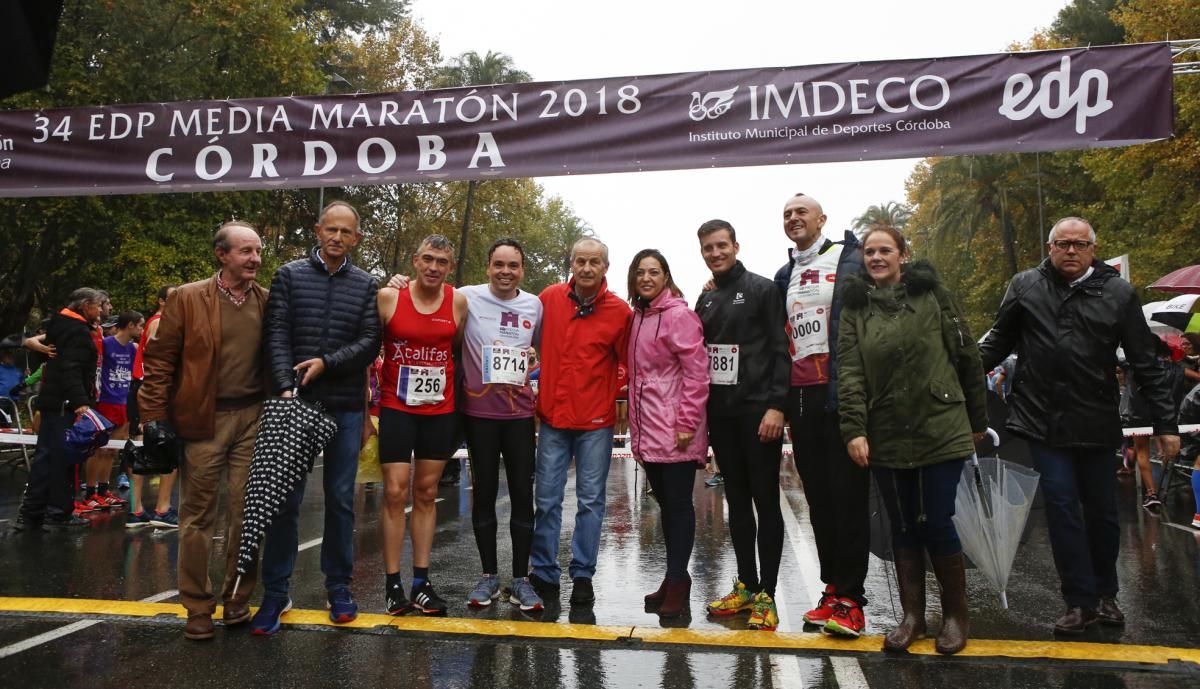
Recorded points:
(291, 432)
(27, 32)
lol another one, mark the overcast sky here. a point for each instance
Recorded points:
(560, 39)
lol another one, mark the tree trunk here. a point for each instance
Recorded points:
(462, 242)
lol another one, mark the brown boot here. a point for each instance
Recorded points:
(653, 600)
(955, 625)
(910, 575)
(199, 627)
(676, 598)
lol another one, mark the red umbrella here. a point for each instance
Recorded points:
(1185, 281)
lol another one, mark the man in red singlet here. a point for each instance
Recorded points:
(416, 423)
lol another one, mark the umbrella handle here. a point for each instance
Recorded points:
(994, 436)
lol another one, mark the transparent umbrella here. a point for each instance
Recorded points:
(990, 509)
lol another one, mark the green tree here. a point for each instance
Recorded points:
(1089, 22)
(128, 51)
(887, 213)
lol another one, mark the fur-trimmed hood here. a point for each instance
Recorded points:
(918, 277)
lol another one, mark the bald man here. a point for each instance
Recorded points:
(836, 488)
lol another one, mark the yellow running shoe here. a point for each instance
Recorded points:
(763, 615)
(737, 600)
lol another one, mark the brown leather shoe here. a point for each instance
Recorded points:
(199, 627)
(1108, 613)
(653, 600)
(235, 613)
(1075, 621)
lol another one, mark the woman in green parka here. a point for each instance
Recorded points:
(911, 398)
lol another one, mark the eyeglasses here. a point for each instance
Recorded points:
(1076, 244)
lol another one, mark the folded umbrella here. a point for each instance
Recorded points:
(990, 510)
(291, 432)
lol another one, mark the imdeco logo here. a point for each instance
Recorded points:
(711, 105)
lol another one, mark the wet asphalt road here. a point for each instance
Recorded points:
(1159, 570)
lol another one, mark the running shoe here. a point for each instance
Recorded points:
(1151, 503)
(1196, 521)
(486, 590)
(825, 607)
(135, 519)
(122, 481)
(714, 481)
(95, 503)
(68, 523)
(81, 508)
(113, 501)
(426, 600)
(266, 620)
(763, 616)
(847, 619)
(522, 594)
(342, 608)
(167, 520)
(397, 603)
(737, 600)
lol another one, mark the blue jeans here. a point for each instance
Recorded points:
(337, 548)
(920, 506)
(592, 451)
(1079, 487)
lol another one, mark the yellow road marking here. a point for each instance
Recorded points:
(649, 636)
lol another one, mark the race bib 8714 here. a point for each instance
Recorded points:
(505, 365)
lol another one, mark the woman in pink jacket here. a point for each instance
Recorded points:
(668, 393)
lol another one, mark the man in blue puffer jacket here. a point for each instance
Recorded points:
(322, 330)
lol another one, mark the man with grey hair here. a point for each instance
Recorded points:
(1065, 320)
(68, 389)
(204, 380)
(322, 332)
(585, 333)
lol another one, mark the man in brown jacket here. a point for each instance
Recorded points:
(204, 376)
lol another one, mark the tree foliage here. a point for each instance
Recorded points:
(888, 213)
(982, 218)
(130, 51)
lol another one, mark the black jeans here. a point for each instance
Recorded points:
(489, 439)
(920, 505)
(673, 483)
(49, 493)
(836, 490)
(751, 471)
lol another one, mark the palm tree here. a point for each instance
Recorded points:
(890, 213)
(469, 69)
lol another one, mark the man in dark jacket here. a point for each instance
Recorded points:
(835, 487)
(322, 332)
(68, 389)
(1065, 319)
(744, 324)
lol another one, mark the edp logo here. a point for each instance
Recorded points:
(1055, 97)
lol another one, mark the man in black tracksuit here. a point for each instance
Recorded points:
(68, 388)
(744, 324)
(835, 487)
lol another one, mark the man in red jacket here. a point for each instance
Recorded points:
(584, 336)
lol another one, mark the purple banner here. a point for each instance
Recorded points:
(1012, 102)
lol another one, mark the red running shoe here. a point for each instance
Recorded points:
(847, 620)
(113, 501)
(825, 607)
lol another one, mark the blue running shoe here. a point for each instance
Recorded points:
(342, 608)
(166, 520)
(133, 521)
(266, 620)
(122, 482)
